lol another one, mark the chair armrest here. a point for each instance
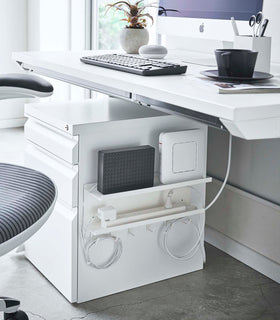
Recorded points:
(17, 85)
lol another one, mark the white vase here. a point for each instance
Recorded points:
(132, 39)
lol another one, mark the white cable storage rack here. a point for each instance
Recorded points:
(155, 195)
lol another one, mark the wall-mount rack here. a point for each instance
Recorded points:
(92, 194)
(92, 188)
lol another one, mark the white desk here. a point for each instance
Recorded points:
(246, 116)
(63, 142)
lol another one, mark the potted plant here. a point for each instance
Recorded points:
(135, 34)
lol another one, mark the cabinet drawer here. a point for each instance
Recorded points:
(62, 146)
(53, 250)
(63, 174)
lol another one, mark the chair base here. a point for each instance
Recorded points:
(19, 315)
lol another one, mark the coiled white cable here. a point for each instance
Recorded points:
(163, 238)
(88, 241)
(117, 251)
(227, 174)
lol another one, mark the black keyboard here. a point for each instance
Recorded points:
(136, 65)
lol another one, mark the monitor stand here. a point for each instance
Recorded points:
(194, 51)
(188, 57)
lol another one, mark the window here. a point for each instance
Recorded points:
(109, 26)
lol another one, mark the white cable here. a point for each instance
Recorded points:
(163, 238)
(227, 174)
(88, 241)
(166, 227)
(117, 251)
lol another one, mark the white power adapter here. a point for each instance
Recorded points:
(107, 213)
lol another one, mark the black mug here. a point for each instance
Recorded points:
(236, 62)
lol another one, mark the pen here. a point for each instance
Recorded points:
(264, 26)
(234, 26)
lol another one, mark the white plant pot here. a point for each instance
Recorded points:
(132, 39)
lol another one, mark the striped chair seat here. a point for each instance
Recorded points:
(26, 200)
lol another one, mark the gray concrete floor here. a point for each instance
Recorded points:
(225, 289)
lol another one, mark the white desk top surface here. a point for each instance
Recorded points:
(182, 90)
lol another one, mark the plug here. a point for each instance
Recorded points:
(168, 203)
(107, 213)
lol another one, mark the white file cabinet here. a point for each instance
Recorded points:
(63, 141)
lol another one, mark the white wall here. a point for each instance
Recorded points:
(271, 9)
(13, 35)
(57, 26)
(49, 25)
(255, 164)
(38, 25)
(246, 219)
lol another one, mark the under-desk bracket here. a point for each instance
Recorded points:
(154, 104)
(176, 110)
(77, 81)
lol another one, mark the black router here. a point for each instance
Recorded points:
(125, 169)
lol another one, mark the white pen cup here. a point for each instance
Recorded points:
(260, 44)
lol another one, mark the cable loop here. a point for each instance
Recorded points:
(115, 256)
(163, 238)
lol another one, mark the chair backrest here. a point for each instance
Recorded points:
(27, 198)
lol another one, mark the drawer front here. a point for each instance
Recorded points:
(63, 174)
(62, 146)
(53, 250)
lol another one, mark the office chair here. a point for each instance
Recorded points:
(27, 197)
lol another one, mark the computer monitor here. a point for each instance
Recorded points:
(206, 19)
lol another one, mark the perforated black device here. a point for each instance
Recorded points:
(125, 169)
